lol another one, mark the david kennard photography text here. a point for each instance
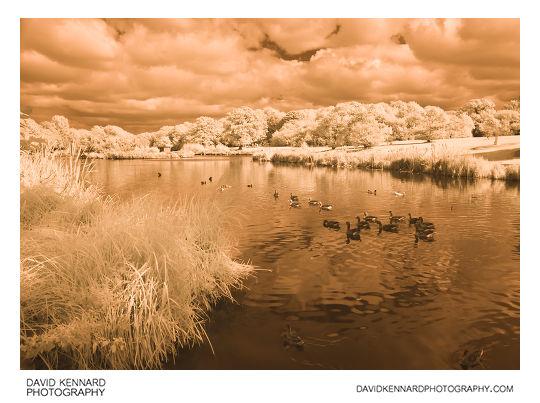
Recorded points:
(65, 387)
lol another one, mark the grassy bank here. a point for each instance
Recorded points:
(110, 285)
(433, 159)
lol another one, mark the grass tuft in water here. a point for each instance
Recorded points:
(111, 285)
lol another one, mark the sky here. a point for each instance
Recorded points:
(142, 74)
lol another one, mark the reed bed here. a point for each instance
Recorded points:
(437, 160)
(124, 287)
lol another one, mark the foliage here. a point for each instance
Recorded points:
(347, 123)
(114, 285)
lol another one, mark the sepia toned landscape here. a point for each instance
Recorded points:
(270, 194)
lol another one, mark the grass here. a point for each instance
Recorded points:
(437, 160)
(110, 285)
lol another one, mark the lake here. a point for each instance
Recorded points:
(380, 303)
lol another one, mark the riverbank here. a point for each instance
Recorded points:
(111, 285)
(450, 157)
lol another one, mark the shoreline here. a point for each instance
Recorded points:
(107, 284)
(448, 158)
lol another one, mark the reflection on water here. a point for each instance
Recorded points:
(379, 303)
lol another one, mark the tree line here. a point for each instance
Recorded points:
(345, 124)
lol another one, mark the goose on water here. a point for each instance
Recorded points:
(331, 224)
(396, 218)
(423, 237)
(362, 224)
(325, 206)
(413, 220)
(387, 227)
(293, 197)
(471, 359)
(371, 218)
(352, 233)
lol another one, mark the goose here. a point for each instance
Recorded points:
(371, 218)
(471, 359)
(291, 338)
(424, 223)
(294, 204)
(396, 218)
(425, 230)
(313, 202)
(210, 179)
(331, 224)
(387, 227)
(325, 206)
(250, 185)
(413, 220)
(362, 224)
(423, 237)
(399, 194)
(374, 192)
(293, 197)
(203, 182)
(352, 233)
(276, 194)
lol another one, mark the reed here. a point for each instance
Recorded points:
(437, 160)
(124, 288)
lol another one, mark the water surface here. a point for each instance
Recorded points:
(381, 303)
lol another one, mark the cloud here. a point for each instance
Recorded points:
(144, 73)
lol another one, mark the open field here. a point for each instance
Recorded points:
(110, 285)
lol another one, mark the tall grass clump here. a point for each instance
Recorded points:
(127, 287)
(438, 160)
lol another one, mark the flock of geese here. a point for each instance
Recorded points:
(424, 230)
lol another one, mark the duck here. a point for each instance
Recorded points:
(276, 194)
(423, 237)
(250, 185)
(387, 227)
(203, 182)
(313, 202)
(325, 206)
(331, 224)
(352, 233)
(294, 204)
(371, 218)
(413, 220)
(291, 338)
(471, 359)
(159, 174)
(399, 194)
(210, 179)
(374, 192)
(396, 218)
(362, 224)
(293, 197)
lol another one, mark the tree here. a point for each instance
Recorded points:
(482, 112)
(206, 131)
(273, 121)
(508, 122)
(433, 125)
(367, 131)
(459, 125)
(244, 126)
